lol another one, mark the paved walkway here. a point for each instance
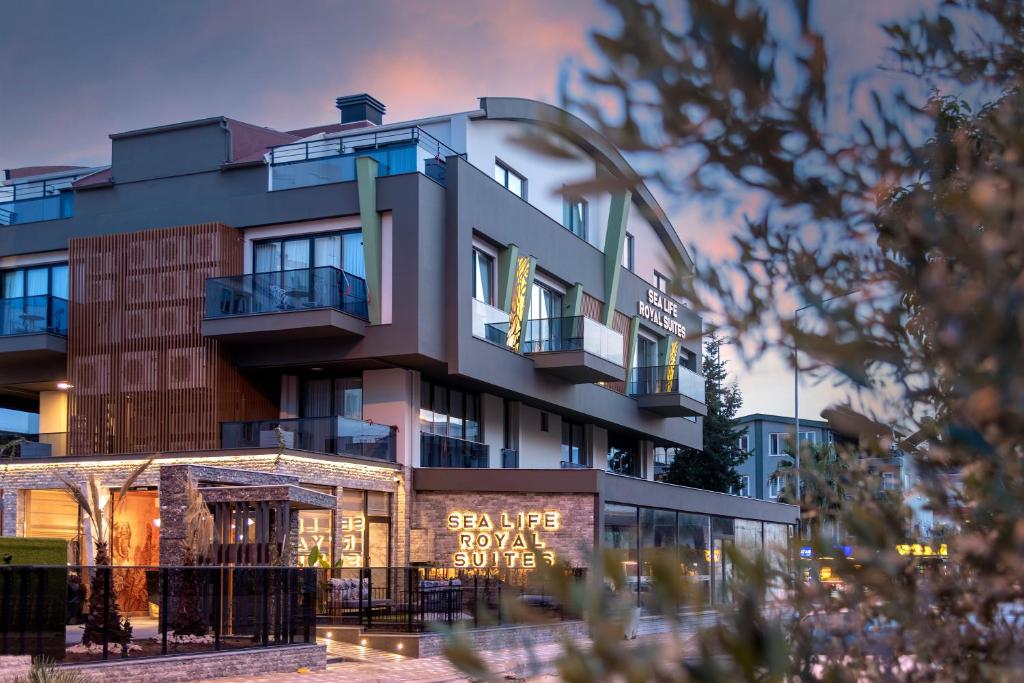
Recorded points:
(373, 665)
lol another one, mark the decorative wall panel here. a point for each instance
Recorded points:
(145, 378)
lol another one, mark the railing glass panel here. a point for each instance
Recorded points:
(576, 333)
(337, 435)
(437, 450)
(666, 379)
(287, 290)
(34, 315)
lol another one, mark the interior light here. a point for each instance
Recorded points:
(400, 646)
(156, 522)
(363, 642)
(64, 386)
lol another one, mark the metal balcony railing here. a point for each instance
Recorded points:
(667, 379)
(335, 435)
(34, 315)
(41, 200)
(574, 333)
(332, 160)
(286, 290)
(437, 450)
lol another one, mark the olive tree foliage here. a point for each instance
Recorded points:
(909, 196)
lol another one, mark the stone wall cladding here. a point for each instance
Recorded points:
(183, 668)
(491, 639)
(572, 543)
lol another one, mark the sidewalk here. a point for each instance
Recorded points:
(381, 666)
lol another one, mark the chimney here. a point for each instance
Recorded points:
(361, 107)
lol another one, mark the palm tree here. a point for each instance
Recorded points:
(103, 618)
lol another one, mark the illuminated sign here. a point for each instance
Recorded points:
(504, 540)
(518, 312)
(922, 550)
(663, 311)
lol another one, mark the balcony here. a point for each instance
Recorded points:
(669, 390)
(334, 435)
(437, 450)
(43, 200)
(286, 305)
(333, 160)
(576, 349)
(42, 445)
(33, 332)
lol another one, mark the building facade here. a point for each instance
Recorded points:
(768, 439)
(403, 337)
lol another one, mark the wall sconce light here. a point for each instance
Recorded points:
(64, 386)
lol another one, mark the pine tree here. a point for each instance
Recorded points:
(714, 467)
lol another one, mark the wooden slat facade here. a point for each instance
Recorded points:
(145, 378)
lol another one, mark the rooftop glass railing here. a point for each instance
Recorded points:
(333, 160)
(34, 315)
(42, 200)
(666, 379)
(438, 450)
(286, 290)
(335, 435)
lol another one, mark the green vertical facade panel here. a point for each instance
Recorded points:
(507, 276)
(572, 302)
(366, 180)
(634, 332)
(614, 243)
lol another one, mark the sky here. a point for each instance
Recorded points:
(71, 73)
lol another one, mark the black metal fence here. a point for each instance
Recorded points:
(412, 599)
(61, 612)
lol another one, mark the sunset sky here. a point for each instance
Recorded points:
(71, 73)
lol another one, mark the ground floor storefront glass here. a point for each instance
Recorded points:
(702, 545)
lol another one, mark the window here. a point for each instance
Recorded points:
(509, 179)
(660, 282)
(545, 422)
(744, 443)
(36, 281)
(623, 455)
(663, 456)
(545, 303)
(342, 250)
(483, 277)
(574, 216)
(774, 487)
(890, 482)
(644, 353)
(332, 397)
(449, 412)
(573, 451)
(627, 253)
(744, 488)
(779, 441)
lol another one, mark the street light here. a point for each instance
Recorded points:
(796, 383)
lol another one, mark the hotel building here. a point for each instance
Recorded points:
(399, 343)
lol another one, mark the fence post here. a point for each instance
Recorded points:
(265, 630)
(499, 582)
(476, 602)
(106, 610)
(218, 604)
(369, 598)
(409, 588)
(163, 610)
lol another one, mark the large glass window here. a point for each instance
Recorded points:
(339, 250)
(573, 451)
(483, 277)
(620, 539)
(723, 538)
(628, 260)
(449, 412)
(657, 543)
(695, 554)
(777, 539)
(332, 397)
(778, 441)
(545, 303)
(511, 180)
(644, 353)
(365, 529)
(36, 281)
(315, 531)
(623, 455)
(575, 217)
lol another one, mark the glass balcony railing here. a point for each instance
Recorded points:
(43, 200)
(34, 315)
(287, 290)
(666, 379)
(576, 333)
(333, 160)
(437, 450)
(336, 435)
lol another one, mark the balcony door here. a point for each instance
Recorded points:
(544, 319)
